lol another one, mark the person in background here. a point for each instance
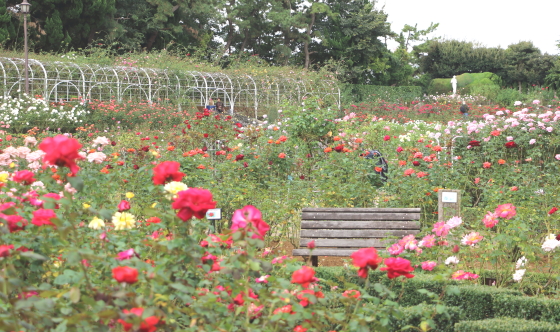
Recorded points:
(219, 106)
(464, 110)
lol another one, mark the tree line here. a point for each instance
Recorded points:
(347, 37)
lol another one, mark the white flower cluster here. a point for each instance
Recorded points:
(29, 111)
(550, 243)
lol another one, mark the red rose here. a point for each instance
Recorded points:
(147, 325)
(311, 244)
(365, 259)
(61, 151)
(123, 206)
(474, 143)
(153, 220)
(397, 266)
(304, 276)
(351, 294)
(386, 138)
(5, 250)
(510, 145)
(25, 177)
(239, 157)
(193, 201)
(554, 209)
(15, 222)
(43, 217)
(339, 148)
(167, 171)
(125, 274)
(416, 163)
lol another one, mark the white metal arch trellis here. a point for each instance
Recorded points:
(61, 81)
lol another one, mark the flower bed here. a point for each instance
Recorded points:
(107, 230)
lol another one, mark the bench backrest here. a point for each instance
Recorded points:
(341, 231)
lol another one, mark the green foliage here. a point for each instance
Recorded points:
(477, 302)
(505, 325)
(509, 96)
(438, 317)
(53, 28)
(359, 93)
(311, 123)
(525, 65)
(465, 83)
(6, 25)
(445, 58)
(524, 307)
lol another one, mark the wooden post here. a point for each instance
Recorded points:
(449, 204)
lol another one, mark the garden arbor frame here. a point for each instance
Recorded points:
(63, 81)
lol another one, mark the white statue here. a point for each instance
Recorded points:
(454, 84)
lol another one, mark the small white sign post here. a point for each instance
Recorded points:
(449, 204)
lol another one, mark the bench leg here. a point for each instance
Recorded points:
(315, 261)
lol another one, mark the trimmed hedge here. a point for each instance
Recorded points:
(477, 302)
(537, 308)
(444, 321)
(506, 325)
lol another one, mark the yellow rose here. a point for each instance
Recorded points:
(86, 205)
(123, 220)
(174, 187)
(96, 223)
(129, 195)
(4, 176)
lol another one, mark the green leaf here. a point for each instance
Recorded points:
(74, 294)
(61, 327)
(105, 214)
(77, 183)
(33, 255)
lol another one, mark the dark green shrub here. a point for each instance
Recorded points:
(506, 97)
(525, 307)
(443, 317)
(506, 325)
(477, 301)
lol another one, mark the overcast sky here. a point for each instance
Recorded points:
(491, 22)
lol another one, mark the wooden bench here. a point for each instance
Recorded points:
(341, 231)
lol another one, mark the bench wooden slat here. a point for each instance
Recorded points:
(353, 224)
(374, 210)
(325, 252)
(347, 243)
(385, 216)
(346, 233)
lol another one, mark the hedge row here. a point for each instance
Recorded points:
(505, 324)
(443, 318)
(478, 302)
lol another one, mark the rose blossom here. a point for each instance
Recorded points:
(428, 265)
(193, 202)
(490, 219)
(365, 259)
(304, 276)
(397, 266)
(250, 216)
(125, 274)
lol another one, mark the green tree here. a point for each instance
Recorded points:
(5, 23)
(445, 58)
(55, 35)
(353, 37)
(525, 65)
